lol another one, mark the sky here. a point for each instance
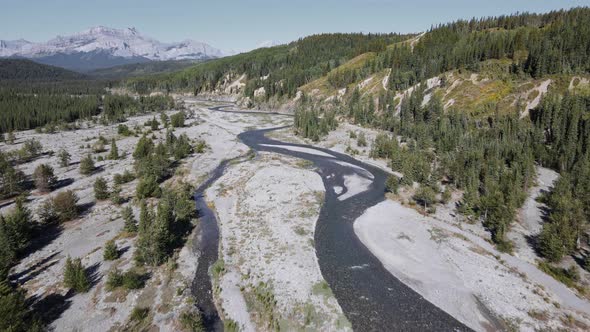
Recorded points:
(242, 24)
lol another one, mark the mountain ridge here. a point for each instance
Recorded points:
(102, 47)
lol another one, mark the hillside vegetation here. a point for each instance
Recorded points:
(21, 69)
(472, 104)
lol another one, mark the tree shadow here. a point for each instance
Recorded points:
(52, 306)
(34, 270)
(84, 209)
(43, 235)
(93, 275)
(580, 258)
(62, 183)
(123, 250)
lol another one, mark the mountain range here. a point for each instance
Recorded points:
(103, 47)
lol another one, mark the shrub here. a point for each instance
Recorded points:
(63, 206)
(123, 178)
(362, 140)
(138, 314)
(101, 189)
(123, 130)
(446, 195)
(75, 276)
(87, 165)
(200, 146)
(191, 321)
(177, 119)
(392, 184)
(425, 196)
(116, 197)
(64, 158)
(32, 148)
(110, 251)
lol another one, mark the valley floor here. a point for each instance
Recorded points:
(268, 274)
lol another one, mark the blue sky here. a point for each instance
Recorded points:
(242, 24)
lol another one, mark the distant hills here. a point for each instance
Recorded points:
(22, 69)
(103, 47)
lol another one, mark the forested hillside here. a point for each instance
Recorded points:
(21, 69)
(280, 70)
(142, 69)
(468, 96)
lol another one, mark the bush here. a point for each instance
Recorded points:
(138, 314)
(128, 280)
(177, 120)
(75, 276)
(362, 140)
(148, 187)
(123, 130)
(64, 158)
(425, 196)
(116, 197)
(32, 148)
(110, 251)
(123, 178)
(200, 146)
(63, 206)
(191, 321)
(87, 165)
(392, 184)
(446, 195)
(101, 189)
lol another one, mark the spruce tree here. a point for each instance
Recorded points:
(75, 276)
(114, 153)
(87, 165)
(64, 158)
(111, 251)
(130, 224)
(101, 189)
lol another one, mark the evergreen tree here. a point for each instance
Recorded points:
(44, 177)
(130, 223)
(101, 189)
(114, 153)
(111, 251)
(87, 165)
(75, 276)
(64, 158)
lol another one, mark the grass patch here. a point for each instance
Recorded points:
(322, 288)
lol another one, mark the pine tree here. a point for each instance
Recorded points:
(87, 165)
(101, 189)
(130, 224)
(111, 251)
(75, 276)
(64, 158)
(18, 226)
(114, 153)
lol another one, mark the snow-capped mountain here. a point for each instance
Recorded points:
(268, 43)
(102, 47)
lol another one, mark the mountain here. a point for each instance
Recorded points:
(22, 69)
(103, 47)
(268, 43)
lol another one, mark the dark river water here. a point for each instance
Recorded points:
(370, 296)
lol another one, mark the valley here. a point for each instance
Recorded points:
(428, 181)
